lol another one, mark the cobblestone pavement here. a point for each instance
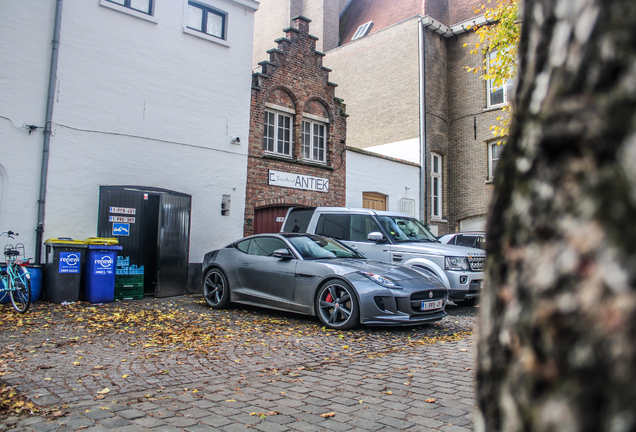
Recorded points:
(174, 364)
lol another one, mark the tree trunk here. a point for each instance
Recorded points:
(557, 332)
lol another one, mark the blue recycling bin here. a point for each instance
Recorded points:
(99, 274)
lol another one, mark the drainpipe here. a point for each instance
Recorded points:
(47, 131)
(423, 143)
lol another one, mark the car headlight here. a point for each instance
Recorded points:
(381, 280)
(456, 263)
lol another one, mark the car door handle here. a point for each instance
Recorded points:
(244, 264)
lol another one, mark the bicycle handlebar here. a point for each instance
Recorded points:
(10, 234)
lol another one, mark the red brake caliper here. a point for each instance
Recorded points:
(329, 299)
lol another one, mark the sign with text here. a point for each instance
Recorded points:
(69, 262)
(123, 210)
(103, 265)
(121, 219)
(298, 181)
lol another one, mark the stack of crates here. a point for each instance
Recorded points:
(129, 280)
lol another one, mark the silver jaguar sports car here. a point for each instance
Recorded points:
(320, 276)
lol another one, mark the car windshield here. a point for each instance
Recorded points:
(318, 247)
(405, 229)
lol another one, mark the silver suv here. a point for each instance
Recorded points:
(396, 238)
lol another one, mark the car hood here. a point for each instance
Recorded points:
(343, 266)
(437, 249)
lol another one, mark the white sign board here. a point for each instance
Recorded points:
(123, 210)
(298, 181)
(121, 219)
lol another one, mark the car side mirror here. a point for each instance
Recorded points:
(375, 237)
(283, 254)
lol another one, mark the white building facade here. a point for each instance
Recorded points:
(149, 97)
(382, 182)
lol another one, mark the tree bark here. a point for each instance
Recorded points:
(557, 331)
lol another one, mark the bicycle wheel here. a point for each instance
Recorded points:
(21, 291)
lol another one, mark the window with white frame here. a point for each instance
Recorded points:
(436, 186)
(362, 30)
(314, 141)
(143, 6)
(494, 152)
(277, 137)
(206, 20)
(498, 95)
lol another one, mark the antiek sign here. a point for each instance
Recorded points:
(298, 181)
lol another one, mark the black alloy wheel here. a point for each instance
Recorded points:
(216, 289)
(337, 306)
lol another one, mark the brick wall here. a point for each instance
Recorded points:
(274, 15)
(468, 167)
(379, 80)
(462, 10)
(296, 69)
(437, 120)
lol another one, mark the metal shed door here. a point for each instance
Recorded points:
(173, 245)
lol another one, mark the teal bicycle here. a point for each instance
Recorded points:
(16, 279)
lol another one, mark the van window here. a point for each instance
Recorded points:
(298, 219)
(361, 226)
(334, 225)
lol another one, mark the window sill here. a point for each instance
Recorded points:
(277, 155)
(296, 161)
(206, 37)
(494, 108)
(438, 220)
(491, 181)
(313, 162)
(128, 11)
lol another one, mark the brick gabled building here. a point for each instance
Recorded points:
(296, 154)
(400, 67)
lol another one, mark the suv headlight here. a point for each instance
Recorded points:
(381, 280)
(456, 263)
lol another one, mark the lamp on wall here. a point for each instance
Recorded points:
(235, 140)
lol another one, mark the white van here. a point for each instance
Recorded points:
(396, 238)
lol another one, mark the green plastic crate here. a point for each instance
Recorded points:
(129, 291)
(129, 279)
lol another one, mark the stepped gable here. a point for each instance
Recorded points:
(296, 52)
(294, 104)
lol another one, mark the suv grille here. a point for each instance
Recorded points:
(476, 262)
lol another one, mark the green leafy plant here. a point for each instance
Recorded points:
(501, 37)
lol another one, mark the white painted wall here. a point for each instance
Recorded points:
(138, 102)
(368, 173)
(408, 150)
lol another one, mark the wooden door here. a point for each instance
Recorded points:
(373, 201)
(269, 220)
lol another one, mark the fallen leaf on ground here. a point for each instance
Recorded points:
(327, 415)
(430, 400)
(104, 391)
